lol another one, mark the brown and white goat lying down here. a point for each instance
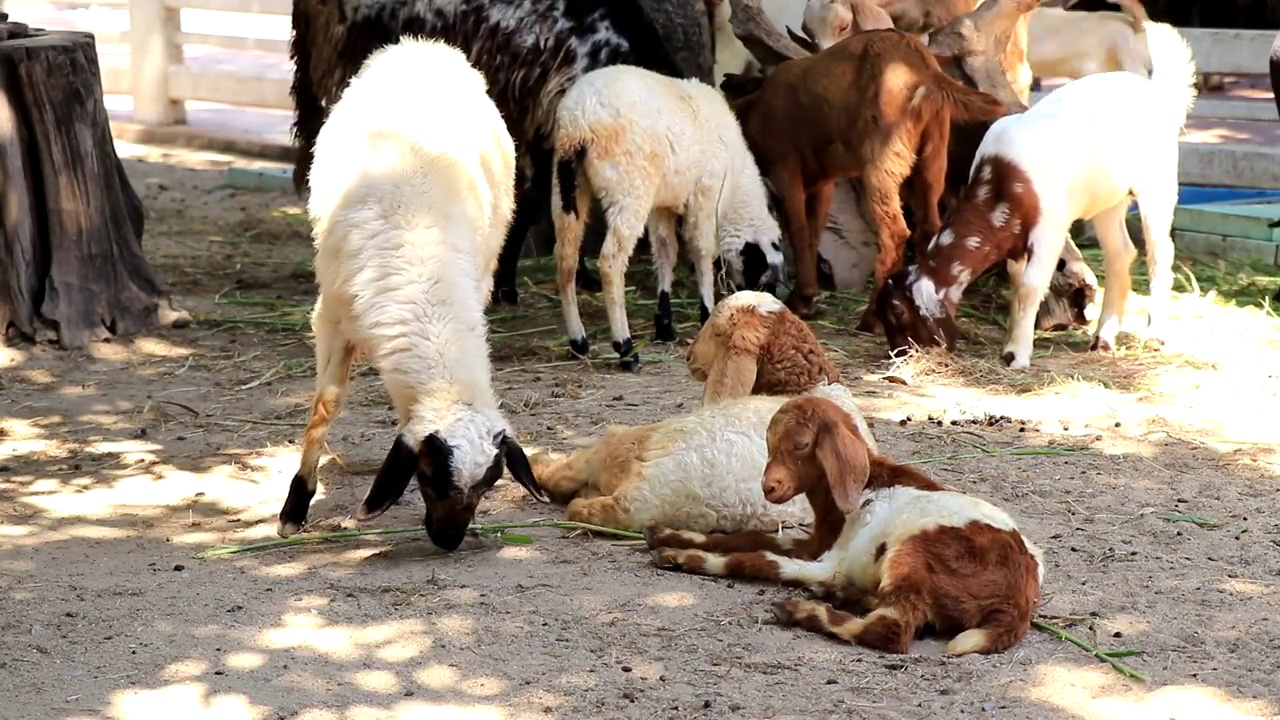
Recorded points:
(874, 106)
(886, 539)
(753, 345)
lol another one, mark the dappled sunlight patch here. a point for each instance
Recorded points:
(518, 552)
(245, 660)
(12, 428)
(437, 676)
(1089, 693)
(189, 701)
(11, 357)
(484, 686)
(578, 680)
(673, 599)
(111, 352)
(157, 347)
(312, 632)
(379, 681)
(285, 570)
(398, 652)
(38, 376)
(184, 670)
(456, 625)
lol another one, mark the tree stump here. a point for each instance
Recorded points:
(70, 222)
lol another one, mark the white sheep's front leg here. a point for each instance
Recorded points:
(662, 242)
(1157, 209)
(703, 245)
(759, 565)
(626, 223)
(1118, 254)
(334, 355)
(1030, 286)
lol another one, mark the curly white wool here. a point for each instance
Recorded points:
(702, 472)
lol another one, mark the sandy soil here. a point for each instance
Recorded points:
(116, 465)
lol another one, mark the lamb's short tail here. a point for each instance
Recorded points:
(966, 105)
(1173, 68)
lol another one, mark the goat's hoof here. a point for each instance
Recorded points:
(704, 314)
(1152, 344)
(1101, 344)
(628, 358)
(666, 558)
(588, 282)
(579, 347)
(1007, 358)
(653, 536)
(287, 528)
(786, 612)
(805, 308)
(505, 296)
(664, 331)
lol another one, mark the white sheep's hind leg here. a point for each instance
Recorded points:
(662, 241)
(1157, 206)
(569, 227)
(1031, 285)
(703, 245)
(626, 222)
(1118, 254)
(334, 355)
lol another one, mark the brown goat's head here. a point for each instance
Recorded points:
(815, 448)
(906, 324)
(452, 477)
(725, 353)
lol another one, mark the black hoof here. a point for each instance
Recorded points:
(294, 513)
(664, 330)
(579, 347)
(704, 314)
(628, 358)
(1007, 358)
(505, 296)
(1100, 345)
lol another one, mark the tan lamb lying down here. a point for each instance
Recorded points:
(699, 472)
(753, 345)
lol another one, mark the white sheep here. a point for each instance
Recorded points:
(654, 148)
(1083, 152)
(699, 472)
(410, 205)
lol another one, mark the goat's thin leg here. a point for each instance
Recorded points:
(334, 356)
(746, 565)
(889, 628)
(928, 181)
(1157, 206)
(882, 193)
(570, 222)
(700, 233)
(1118, 254)
(626, 223)
(662, 242)
(1030, 287)
(564, 477)
(803, 298)
(602, 511)
(663, 537)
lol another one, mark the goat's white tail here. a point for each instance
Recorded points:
(1173, 69)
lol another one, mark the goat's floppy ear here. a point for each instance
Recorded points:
(805, 43)
(846, 462)
(733, 374)
(392, 479)
(518, 465)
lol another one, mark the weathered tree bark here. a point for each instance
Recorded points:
(70, 222)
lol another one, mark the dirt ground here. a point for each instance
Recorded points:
(119, 463)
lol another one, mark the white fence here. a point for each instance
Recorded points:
(160, 80)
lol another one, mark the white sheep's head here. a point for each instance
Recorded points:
(456, 467)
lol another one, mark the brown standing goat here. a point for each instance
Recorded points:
(875, 106)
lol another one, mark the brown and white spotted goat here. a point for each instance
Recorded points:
(886, 539)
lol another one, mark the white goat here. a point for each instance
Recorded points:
(656, 148)
(698, 472)
(410, 205)
(1082, 152)
(1068, 44)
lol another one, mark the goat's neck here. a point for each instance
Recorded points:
(828, 521)
(964, 249)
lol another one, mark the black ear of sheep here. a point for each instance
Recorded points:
(518, 464)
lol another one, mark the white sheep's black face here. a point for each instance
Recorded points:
(753, 264)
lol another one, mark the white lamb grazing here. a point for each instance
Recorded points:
(699, 472)
(410, 206)
(654, 148)
(847, 248)
(1083, 152)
